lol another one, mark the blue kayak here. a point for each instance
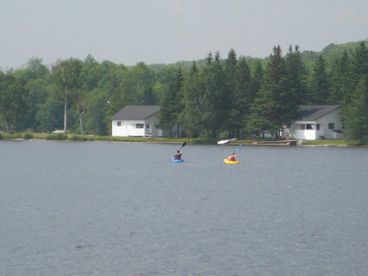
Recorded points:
(177, 160)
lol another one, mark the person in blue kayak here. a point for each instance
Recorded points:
(232, 157)
(178, 154)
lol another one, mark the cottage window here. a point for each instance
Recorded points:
(147, 125)
(300, 126)
(331, 126)
(139, 125)
(118, 123)
(317, 126)
(309, 126)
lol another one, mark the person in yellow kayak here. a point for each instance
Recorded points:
(231, 157)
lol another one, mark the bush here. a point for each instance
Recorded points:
(363, 140)
(27, 135)
(203, 141)
(58, 136)
(79, 138)
(14, 135)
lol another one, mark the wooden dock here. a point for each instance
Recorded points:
(276, 143)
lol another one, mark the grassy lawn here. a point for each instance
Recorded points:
(77, 137)
(331, 143)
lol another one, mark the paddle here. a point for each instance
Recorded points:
(183, 145)
(237, 148)
(222, 142)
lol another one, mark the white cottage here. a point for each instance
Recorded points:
(317, 122)
(136, 120)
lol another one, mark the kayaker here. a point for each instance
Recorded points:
(232, 157)
(178, 154)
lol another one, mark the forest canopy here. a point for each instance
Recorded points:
(241, 96)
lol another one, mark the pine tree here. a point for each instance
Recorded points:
(212, 79)
(341, 80)
(296, 79)
(244, 95)
(355, 105)
(356, 119)
(360, 62)
(230, 64)
(231, 76)
(257, 77)
(320, 87)
(270, 110)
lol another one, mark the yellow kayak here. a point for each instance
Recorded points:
(227, 161)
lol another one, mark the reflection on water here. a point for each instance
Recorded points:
(98, 208)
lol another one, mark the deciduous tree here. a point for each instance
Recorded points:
(67, 74)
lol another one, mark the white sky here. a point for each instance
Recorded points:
(167, 31)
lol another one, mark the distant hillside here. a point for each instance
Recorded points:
(330, 53)
(337, 49)
(188, 64)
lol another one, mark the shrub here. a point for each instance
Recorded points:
(79, 138)
(14, 135)
(58, 136)
(27, 135)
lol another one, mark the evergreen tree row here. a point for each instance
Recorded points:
(231, 97)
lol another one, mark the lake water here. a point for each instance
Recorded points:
(100, 208)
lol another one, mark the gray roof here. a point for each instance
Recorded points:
(314, 112)
(136, 112)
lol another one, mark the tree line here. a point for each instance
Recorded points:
(231, 96)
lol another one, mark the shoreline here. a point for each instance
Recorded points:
(161, 140)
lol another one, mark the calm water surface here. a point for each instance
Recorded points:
(99, 208)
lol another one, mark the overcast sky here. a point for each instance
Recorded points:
(167, 31)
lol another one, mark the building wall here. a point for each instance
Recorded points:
(323, 132)
(305, 134)
(333, 117)
(136, 127)
(127, 128)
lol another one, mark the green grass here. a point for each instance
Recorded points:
(11, 136)
(77, 137)
(331, 143)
